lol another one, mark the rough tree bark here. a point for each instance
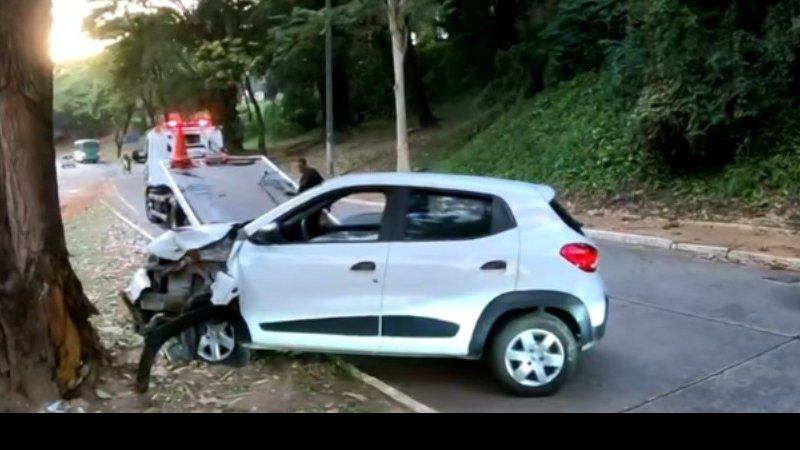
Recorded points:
(119, 135)
(417, 87)
(398, 30)
(262, 124)
(47, 344)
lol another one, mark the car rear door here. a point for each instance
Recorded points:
(453, 253)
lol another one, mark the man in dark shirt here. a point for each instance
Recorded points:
(309, 177)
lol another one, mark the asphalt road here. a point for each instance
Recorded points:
(684, 335)
(81, 179)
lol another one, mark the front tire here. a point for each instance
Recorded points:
(217, 342)
(534, 355)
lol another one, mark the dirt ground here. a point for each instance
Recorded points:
(738, 236)
(104, 253)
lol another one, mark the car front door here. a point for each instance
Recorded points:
(453, 253)
(317, 284)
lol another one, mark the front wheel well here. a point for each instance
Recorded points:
(510, 315)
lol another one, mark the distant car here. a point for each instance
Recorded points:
(449, 266)
(67, 161)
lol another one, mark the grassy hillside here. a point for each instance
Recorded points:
(575, 138)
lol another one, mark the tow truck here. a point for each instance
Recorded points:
(191, 180)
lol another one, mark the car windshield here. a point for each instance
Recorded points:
(90, 146)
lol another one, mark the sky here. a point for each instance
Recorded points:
(67, 40)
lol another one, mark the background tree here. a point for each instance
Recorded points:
(47, 344)
(399, 33)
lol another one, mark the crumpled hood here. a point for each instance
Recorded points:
(173, 244)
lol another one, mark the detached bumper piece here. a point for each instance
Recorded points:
(155, 338)
(135, 312)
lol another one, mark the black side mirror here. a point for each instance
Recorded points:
(271, 234)
(139, 157)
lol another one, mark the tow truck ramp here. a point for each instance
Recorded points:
(236, 190)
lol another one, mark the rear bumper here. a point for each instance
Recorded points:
(598, 332)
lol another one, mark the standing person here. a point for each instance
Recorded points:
(309, 177)
(126, 163)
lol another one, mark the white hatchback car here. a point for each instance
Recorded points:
(392, 264)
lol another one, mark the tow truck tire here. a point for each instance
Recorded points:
(177, 218)
(148, 211)
(150, 206)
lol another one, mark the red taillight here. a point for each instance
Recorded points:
(582, 256)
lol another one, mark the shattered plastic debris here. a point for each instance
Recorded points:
(103, 395)
(63, 406)
(355, 396)
(58, 406)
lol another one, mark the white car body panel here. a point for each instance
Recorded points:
(443, 280)
(543, 268)
(284, 284)
(173, 244)
(224, 289)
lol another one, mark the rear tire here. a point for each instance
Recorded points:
(534, 355)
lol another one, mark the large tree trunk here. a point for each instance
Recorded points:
(342, 111)
(223, 110)
(119, 135)
(262, 124)
(418, 96)
(47, 343)
(505, 23)
(398, 31)
(417, 87)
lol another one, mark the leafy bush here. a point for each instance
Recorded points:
(577, 35)
(703, 87)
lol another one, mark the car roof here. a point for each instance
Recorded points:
(508, 189)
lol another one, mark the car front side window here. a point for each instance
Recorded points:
(349, 217)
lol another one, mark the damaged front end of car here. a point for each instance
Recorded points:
(183, 297)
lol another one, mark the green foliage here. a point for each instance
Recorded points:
(576, 138)
(82, 95)
(705, 80)
(577, 34)
(569, 136)
(694, 95)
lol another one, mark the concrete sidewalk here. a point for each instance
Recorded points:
(771, 247)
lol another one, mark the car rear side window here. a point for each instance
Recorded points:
(444, 216)
(566, 217)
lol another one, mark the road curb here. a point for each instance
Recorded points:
(387, 390)
(391, 392)
(707, 251)
(631, 239)
(752, 258)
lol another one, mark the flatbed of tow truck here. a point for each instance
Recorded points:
(239, 189)
(191, 181)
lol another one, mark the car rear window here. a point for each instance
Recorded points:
(566, 217)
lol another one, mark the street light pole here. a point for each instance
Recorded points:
(329, 90)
